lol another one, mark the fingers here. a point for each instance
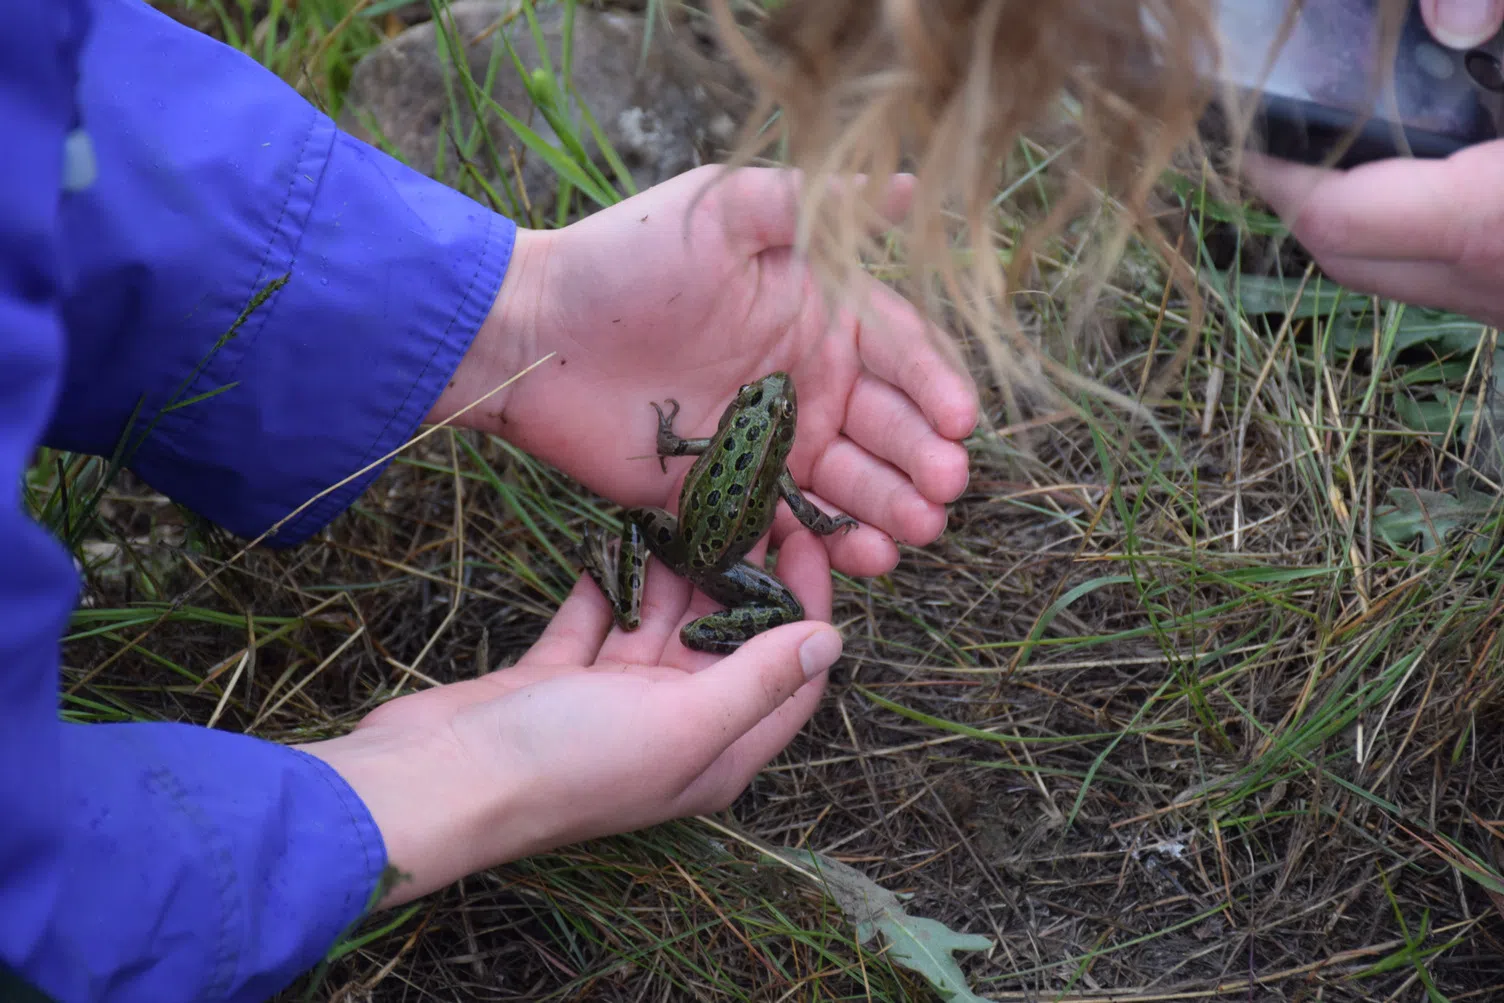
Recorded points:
(1462, 24)
(887, 422)
(1284, 184)
(665, 597)
(750, 684)
(895, 473)
(766, 690)
(581, 632)
(1426, 232)
(897, 346)
(803, 565)
(1389, 209)
(734, 769)
(734, 714)
(902, 463)
(575, 634)
(1400, 209)
(876, 493)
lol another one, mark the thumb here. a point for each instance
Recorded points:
(745, 687)
(1462, 24)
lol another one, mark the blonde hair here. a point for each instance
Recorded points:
(946, 89)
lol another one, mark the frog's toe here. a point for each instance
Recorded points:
(708, 640)
(589, 546)
(666, 420)
(844, 523)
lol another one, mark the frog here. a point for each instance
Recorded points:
(726, 505)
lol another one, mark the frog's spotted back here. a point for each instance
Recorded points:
(728, 499)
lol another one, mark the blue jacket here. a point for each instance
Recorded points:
(159, 861)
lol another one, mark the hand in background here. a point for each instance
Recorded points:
(688, 291)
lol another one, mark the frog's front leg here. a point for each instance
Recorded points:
(669, 442)
(805, 511)
(755, 601)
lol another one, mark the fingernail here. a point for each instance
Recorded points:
(819, 652)
(1461, 24)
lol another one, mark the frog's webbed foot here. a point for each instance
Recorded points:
(820, 522)
(616, 563)
(843, 522)
(668, 442)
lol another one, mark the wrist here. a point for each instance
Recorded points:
(507, 343)
(437, 819)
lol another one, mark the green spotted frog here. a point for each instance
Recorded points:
(725, 507)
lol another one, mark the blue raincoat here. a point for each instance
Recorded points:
(152, 180)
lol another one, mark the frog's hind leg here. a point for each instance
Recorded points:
(755, 601)
(617, 564)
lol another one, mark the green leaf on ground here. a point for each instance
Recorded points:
(1430, 515)
(922, 945)
(1435, 416)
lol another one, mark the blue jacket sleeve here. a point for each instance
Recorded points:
(159, 861)
(214, 179)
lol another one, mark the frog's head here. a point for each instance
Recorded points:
(769, 405)
(774, 394)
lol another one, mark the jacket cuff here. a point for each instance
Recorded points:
(250, 857)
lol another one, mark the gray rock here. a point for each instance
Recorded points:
(663, 115)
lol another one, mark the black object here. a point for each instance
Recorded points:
(1326, 75)
(14, 989)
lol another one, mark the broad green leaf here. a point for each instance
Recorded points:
(1273, 294)
(1448, 335)
(1436, 416)
(1430, 515)
(919, 944)
(1351, 316)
